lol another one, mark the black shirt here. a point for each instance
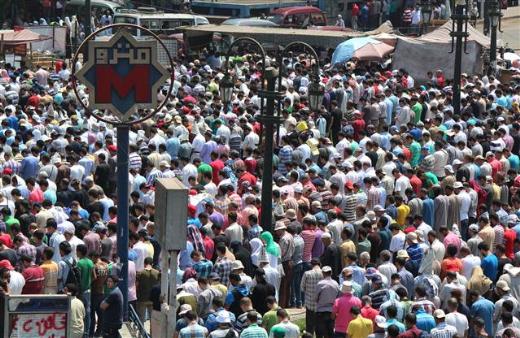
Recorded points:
(113, 315)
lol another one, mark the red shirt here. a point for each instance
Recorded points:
(217, 166)
(6, 239)
(246, 176)
(416, 184)
(358, 126)
(369, 313)
(509, 242)
(209, 247)
(34, 277)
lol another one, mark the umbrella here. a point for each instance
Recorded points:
(346, 50)
(373, 52)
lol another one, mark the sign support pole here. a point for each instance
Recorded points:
(122, 212)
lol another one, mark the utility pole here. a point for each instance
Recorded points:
(459, 18)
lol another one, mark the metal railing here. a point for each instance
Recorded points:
(134, 324)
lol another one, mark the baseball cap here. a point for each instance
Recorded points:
(279, 226)
(473, 227)
(402, 253)
(439, 313)
(184, 308)
(237, 265)
(346, 287)
(326, 268)
(412, 237)
(223, 317)
(377, 279)
(458, 185)
(380, 321)
(214, 276)
(502, 285)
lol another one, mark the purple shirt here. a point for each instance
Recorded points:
(318, 247)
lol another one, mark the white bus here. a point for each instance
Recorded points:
(157, 21)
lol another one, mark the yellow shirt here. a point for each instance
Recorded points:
(50, 273)
(402, 212)
(345, 248)
(359, 327)
(77, 313)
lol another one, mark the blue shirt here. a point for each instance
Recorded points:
(172, 147)
(428, 211)
(489, 265)
(484, 308)
(29, 167)
(399, 325)
(425, 321)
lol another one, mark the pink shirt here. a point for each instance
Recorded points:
(309, 236)
(341, 308)
(451, 238)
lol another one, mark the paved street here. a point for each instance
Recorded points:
(511, 28)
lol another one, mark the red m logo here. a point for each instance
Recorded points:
(110, 82)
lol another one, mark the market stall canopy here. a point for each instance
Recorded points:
(364, 48)
(433, 49)
(18, 37)
(197, 36)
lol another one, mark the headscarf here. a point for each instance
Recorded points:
(478, 281)
(270, 245)
(256, 250)
(195, 237)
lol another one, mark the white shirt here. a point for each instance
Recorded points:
(16, 283)
(401, 184)
(235, 233)
(140, 249)
(459, 321)
(397, 242)
(468, 263)
(465, 203)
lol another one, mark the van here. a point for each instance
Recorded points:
(158, 21)
(77, 7)
(298, 17)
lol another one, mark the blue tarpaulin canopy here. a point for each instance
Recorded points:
(346, 50)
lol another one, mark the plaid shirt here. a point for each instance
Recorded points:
(193, 330)
(27, 249)
(223, 268)
(203, 268)
(308, 285)
(13, 165)
(254, 331)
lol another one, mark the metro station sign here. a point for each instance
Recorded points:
(122, 74)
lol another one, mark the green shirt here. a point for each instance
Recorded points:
(415, 149)
(204, 168)
(431, 179)
(269, 319)
(85, 266)
(417, 109)
(10, 220)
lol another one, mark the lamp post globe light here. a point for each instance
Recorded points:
(270, 84)
(459, 38)
(495, 15)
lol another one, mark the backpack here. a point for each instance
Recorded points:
(74, 275)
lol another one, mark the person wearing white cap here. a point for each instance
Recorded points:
(504, 292)
(342, 306)
(326, 292)
(224, 329)
(442, 330)
(474, 239)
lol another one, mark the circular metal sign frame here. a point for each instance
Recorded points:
(75, 80)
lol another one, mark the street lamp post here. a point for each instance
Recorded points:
(495, 15)
(459, 37)
(270, 84)
(426, 13)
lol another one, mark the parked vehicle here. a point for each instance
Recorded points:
(298, 17)
(76, 7)
(251, 22)
(158, 21)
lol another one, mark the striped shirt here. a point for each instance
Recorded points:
(350, 207)
(253, 331)
(309, 237)
(308, 285)
(443, 330)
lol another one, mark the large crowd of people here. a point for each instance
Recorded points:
(393, 216)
